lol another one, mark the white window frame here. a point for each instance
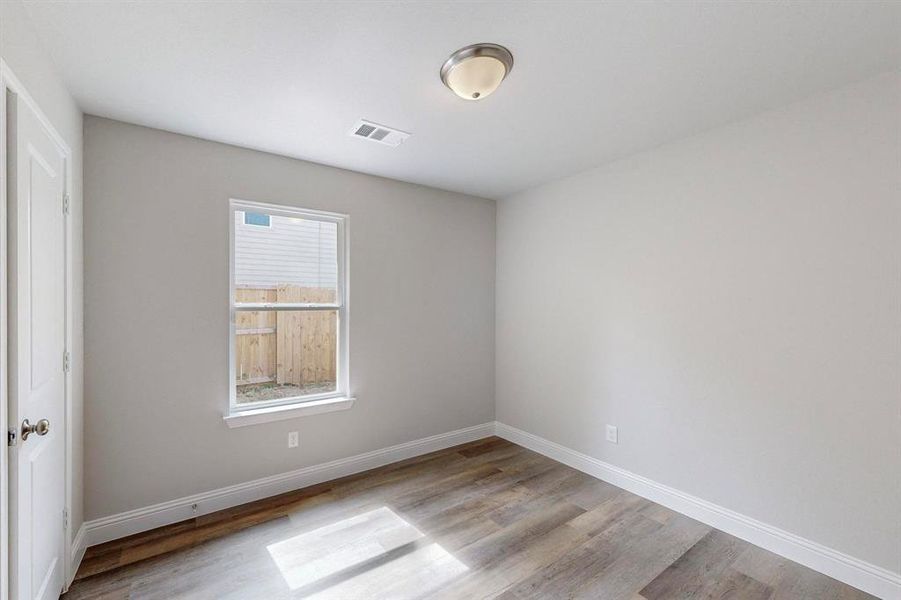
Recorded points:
(283, 408)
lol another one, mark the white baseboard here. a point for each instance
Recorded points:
(860, 574)
(143, 519)
(76, 553)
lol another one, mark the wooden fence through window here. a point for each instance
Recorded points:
(296, 347)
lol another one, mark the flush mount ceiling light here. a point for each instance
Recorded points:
(474, 72)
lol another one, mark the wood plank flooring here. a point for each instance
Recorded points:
(484, 520)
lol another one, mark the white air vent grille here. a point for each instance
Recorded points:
(378, 133)
(365, 130)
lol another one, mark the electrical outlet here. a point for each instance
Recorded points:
(612, 434)
(292, 439)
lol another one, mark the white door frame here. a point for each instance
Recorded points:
(8, 81)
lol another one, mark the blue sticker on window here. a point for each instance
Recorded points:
(256, 219)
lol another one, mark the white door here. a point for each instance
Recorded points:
(37, 336)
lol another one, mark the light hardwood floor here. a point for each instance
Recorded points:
(484, 520)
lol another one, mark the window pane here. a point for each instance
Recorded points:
(285, 354)
(256, 219)
(294, 260)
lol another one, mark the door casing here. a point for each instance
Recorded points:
(9, 82)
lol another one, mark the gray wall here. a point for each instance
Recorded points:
(732, 303)
(20, 48)
(421, 314)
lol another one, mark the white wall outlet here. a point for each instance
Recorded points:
(292, 439)
(612, 435)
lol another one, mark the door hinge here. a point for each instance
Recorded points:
(67, 361)
(65, 204)
(11, 436)
(65, 520)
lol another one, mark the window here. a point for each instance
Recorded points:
(261, 219)
(288, 301)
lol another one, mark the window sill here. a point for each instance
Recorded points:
(290, 411)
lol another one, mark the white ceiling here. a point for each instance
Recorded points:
(591, 81)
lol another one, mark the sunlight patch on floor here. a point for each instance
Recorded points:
(374, 554)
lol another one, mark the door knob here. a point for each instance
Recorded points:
(39, 428)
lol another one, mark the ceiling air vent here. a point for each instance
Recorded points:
(378, 133)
